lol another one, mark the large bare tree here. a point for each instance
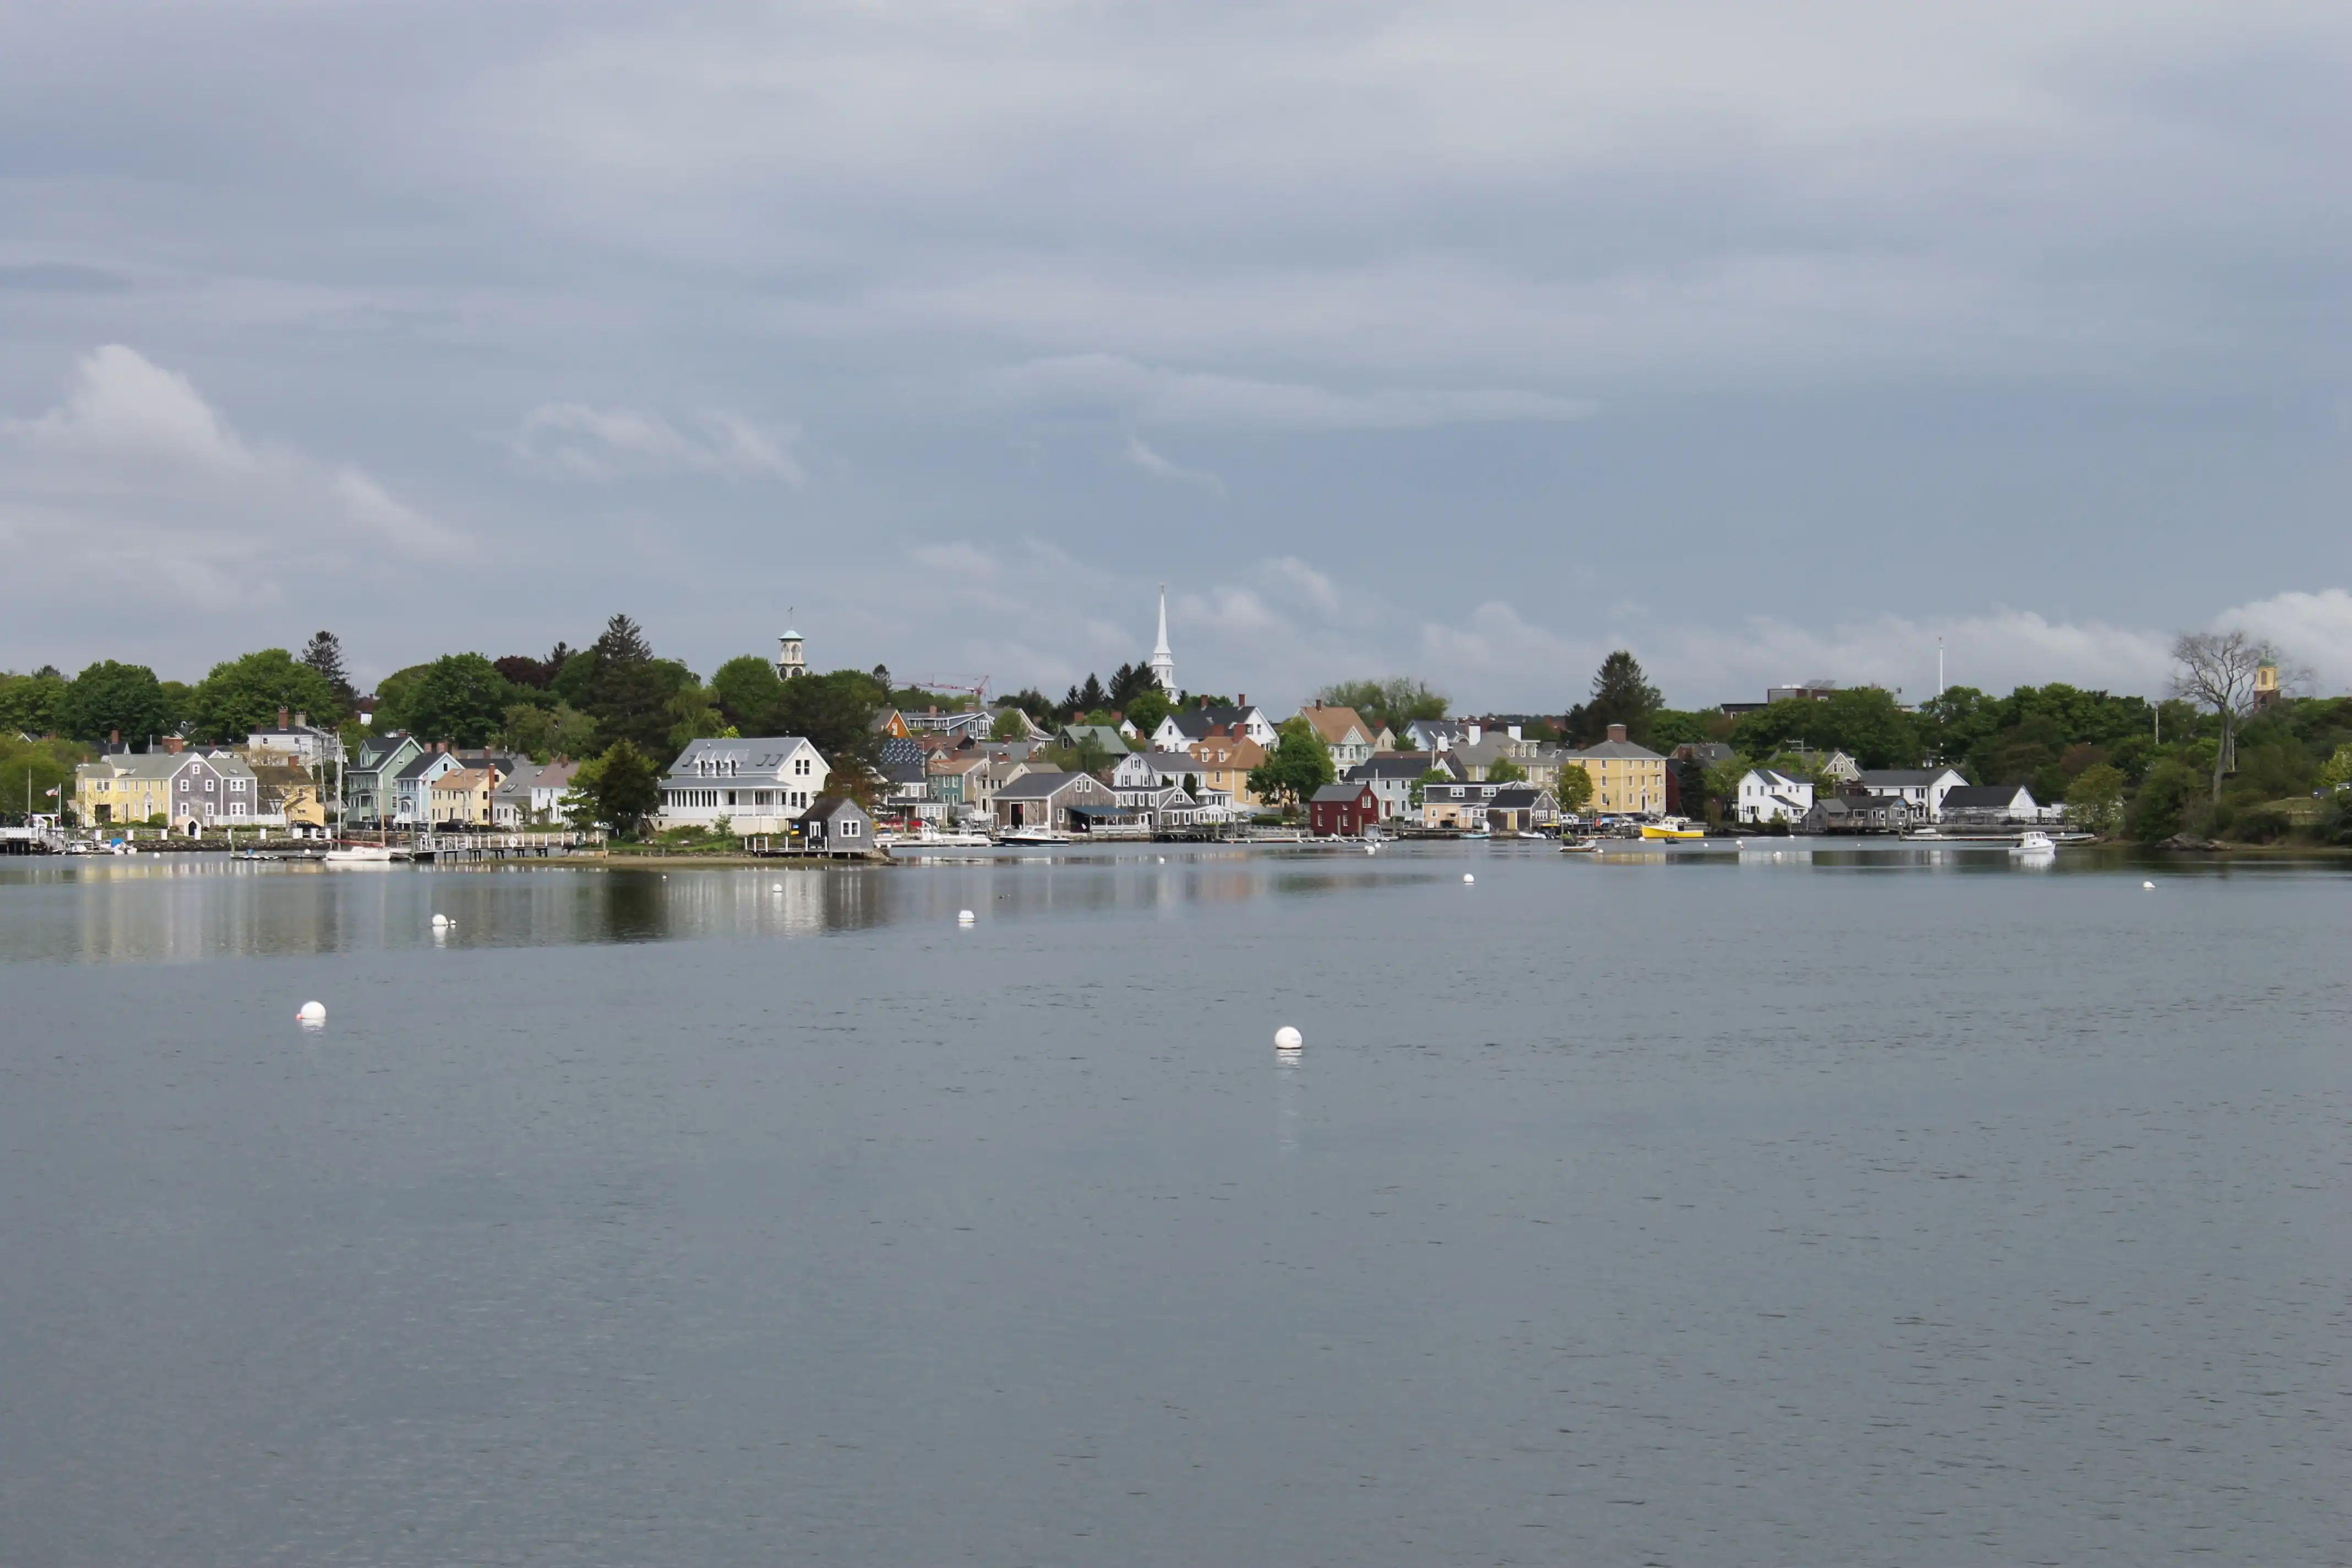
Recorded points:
(2217, 671)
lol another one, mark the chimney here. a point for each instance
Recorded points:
(1616, 731)
(114, 740)
(172, 744)
(301, 721)
(1513, 730)
(1475, 732)
(1243, 702)
(281, 717)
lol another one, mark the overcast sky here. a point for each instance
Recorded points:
(1465, 341)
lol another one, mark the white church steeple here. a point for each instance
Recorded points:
(1164, 663)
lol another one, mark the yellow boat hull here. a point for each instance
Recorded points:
(1652, 830)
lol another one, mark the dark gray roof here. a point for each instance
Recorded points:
(1515, 797)
(1617, 749)
(1965, 797)
(1898, 777)
(1407, 768)
(1041, 784)
(1340, 792)
(832, 808)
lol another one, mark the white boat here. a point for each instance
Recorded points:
(2033, 843)
(362, 855)
(1673, 828)
(953, 839)
(1034, 835)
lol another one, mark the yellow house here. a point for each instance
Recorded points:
(191, 790)
(1226, 763)
(289, 790)
(463, 795)
(1625, 777)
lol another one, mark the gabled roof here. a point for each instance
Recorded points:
(1104, 735)
(1518, 796)
(1601, 749)
(1042, 784)
(1342, 791)
(1897, 778)
(1774, 779)
(1407, 765)
(830, 808)
(1196, 723)
(1979, 798)
(749, 753)
(1332, 725)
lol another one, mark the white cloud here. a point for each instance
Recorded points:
(137, 481)
(1109, 386)
(572, 440)
(2314, 629)
(1162, 470)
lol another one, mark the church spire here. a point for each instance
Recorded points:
(1164, 663)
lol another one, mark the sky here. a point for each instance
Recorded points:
(1465, 342)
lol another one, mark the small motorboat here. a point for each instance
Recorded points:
(1034, 835)
(1673, 828)
(362, 855)
(2033, 843)
(1580, 846)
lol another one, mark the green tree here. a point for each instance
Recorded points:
(1671, 727)
(2167, 801)
(1298, 765)
(579, 805)
(1088, 756)
(34, 704)
(629, 690)
(1012, 724)
(324, 653)
(2096, 797)
(1622, 694)
(1574, 791)
(1146, 708)
(695, 716)
(109, 697)
(1865, 722)
(1392, 703)
(626, 790)
(242, 695)
(2336, 773)
(30, 770)
(1955, 723)
(540, 733)
(748, 691)
(460, 696)
(1435, 775)
(835, 713)
(1503, 770)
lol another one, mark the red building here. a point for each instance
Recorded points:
(1342, 810)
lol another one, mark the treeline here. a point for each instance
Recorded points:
(580, 704)
(2124, 765)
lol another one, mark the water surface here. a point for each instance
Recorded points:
(1849, 1208)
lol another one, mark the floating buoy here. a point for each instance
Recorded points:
(440, 921)
(1286, 1038)
(777, 888)
(965, 917)
(2149, 886)
(311, 1013)
(1468, 878)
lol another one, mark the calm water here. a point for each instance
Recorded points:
(1869, 1209)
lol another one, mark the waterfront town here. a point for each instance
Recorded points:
(611, 742)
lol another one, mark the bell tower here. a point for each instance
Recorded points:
(791, 662)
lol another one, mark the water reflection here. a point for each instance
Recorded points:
(160, 909)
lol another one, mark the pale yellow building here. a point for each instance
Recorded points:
(1625, 777)
(463, 795)
(191, 791)
(1226, 763)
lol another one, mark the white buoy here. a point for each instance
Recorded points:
(965, 917)
(2149, 886)
(440, 921)
(777, 888)
(1286, 1038)
(311, 1013)
(1468, 878)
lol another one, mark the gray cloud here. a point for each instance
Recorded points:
(1553, 307)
